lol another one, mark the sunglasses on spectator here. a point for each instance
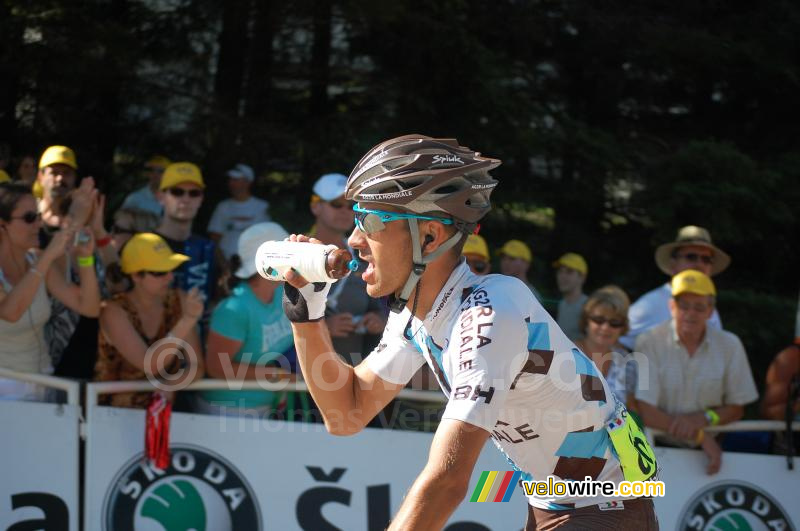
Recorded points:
(479, 266)
(116, 229)
(29, 217)
(340, 203)
(158, 274)
(686, 306)
(599, 320)
(370, 221)
(694, 258)
(180, 192)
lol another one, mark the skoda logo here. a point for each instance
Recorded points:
(199, 491)
(734, 505)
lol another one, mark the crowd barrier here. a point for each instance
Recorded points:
(253, 473)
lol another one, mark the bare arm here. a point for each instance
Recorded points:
(83, 298)
(348, 397)
(781, 370)
(444, 481)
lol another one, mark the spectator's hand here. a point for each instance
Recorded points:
(84, 242)
(340, 324)
(714, 453)
(193, 304)
(58, 246)
(83, 202)
(687, 426)
(98, 213)
(373, 322)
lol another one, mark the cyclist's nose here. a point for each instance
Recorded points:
(357, 240)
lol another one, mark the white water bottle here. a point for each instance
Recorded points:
(315, 262)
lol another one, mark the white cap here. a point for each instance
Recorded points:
(330, 186)
(242, 171)
(251, 239)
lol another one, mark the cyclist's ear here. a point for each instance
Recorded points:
(428, 239)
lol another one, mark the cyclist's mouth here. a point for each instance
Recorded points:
(368, 275)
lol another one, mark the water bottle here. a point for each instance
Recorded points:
(315, 262)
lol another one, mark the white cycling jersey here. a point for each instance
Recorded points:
(507, 367)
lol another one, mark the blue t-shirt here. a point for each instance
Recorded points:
(265, 334)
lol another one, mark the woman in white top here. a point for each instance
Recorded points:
(28, 277)
(603, 320)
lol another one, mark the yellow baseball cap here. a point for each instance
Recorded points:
(516, 249)
(58, 155)
(476, 245)
(149, 252)
(4, 178)
(572, 261)
(691, 281)
(181, 172)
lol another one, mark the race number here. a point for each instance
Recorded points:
(635, 454)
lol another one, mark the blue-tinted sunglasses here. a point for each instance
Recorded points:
(371, 221)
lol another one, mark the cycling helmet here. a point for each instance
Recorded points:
(422, 175)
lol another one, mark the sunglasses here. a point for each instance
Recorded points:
(180, 192)
(599, 320)
(29, 217)
(116, 229)
(340, 203)
(479, 266)
(157, 274)
(694, 258)
(372, 221)
(686, 306)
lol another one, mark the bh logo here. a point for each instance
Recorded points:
(199, 491)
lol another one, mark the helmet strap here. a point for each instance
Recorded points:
(419, 263)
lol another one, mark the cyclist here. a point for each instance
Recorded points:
(507, 369)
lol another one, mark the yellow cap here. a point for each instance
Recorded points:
(476, 245)
(4, 178)
(158, 160)
(37, 189)
(572, 261)
(58, 155)
(517, 249)
(181, 172)
(691, 281)
(149, 252)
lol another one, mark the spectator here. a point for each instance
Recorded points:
(571, 271)
(783, 383)
(232, 216)
(698, 375)
(476, 252)
(57, 177)
(515, 260)
(249, 332)
(28, 280)
(146, 197)
(181, 195)
(603, 319)
(354, 319)
(692, 249)
(130, 221)
(133, 321)
(26, 169)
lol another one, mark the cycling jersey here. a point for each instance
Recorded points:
(506, 367)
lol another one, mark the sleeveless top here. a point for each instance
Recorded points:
(23, 347)
(112, 366)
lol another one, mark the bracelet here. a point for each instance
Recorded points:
(102, 242)
(711, 416)
(85, 261)
(701, 435)
(36, 272)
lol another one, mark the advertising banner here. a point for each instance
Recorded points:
(246, 473)
(38, 466)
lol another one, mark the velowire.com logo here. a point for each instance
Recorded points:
(734, 506)
(199, 491)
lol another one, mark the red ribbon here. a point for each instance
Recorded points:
(156, 434)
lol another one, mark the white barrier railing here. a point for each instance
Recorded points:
(71, 387)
